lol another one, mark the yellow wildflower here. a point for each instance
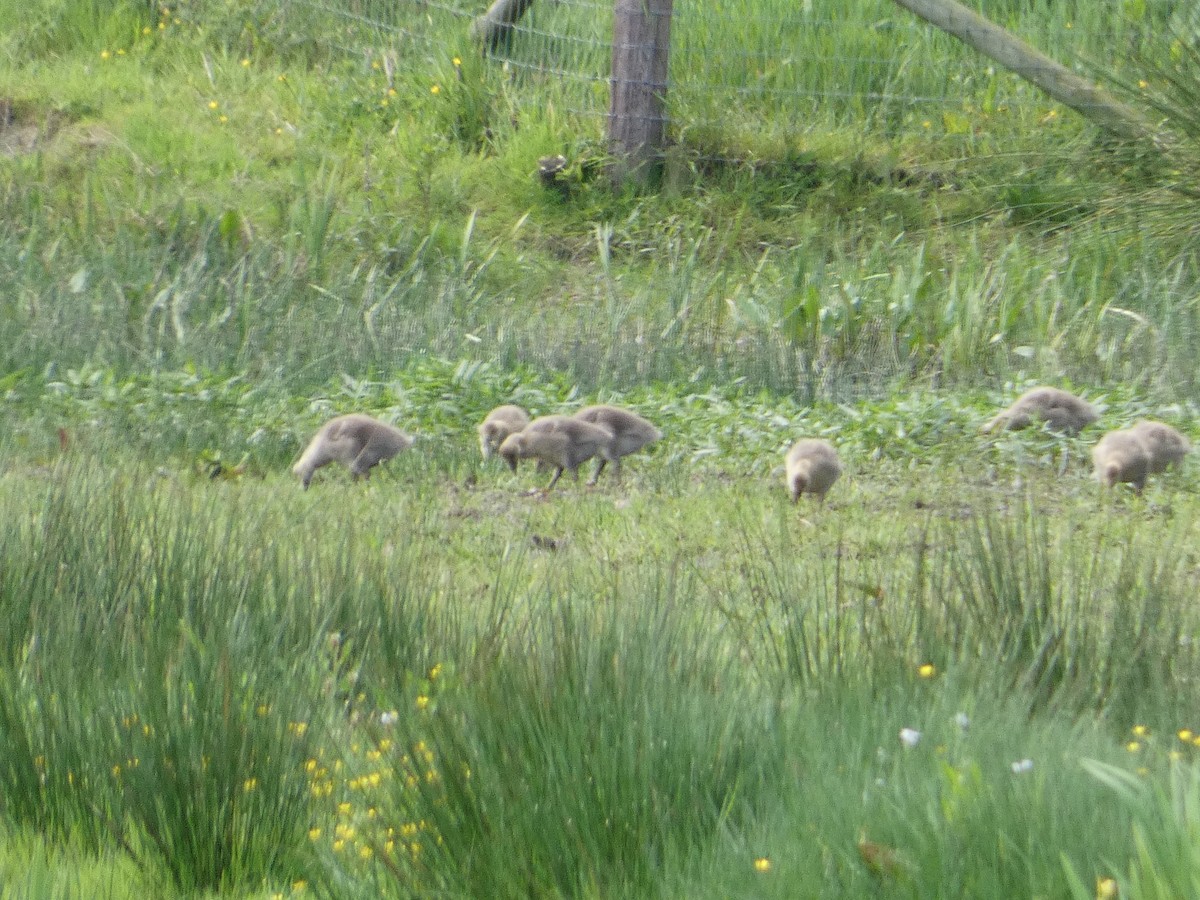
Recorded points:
(314, 834)
(422, 702)
(927, 671)
(1133, 746)
(1140, 731)
(762, 864)
(435, 90)
(1185, 734)
(213, 104)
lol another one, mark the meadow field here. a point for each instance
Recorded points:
(970, 673)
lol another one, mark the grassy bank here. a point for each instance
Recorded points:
(237, 193)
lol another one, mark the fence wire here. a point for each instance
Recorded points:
(767, 81)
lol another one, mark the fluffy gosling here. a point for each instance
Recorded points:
(1121, 456)
(630, 433)
(1060, 410)
(1167, 447)
(812, 468)
(559, 441)
(499, 424)
(356, 441)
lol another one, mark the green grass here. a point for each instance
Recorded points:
(393, 688)
(223, 223)
(240, 194)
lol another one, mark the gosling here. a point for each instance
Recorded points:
(1166, 446)
(1122, 456)
(1060, 410)
(499, 424)
(630, 433)
(558, 441)
(356, 441)
(812, 468)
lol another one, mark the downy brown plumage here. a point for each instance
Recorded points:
(1060, 410)
(559, 441)
(1167, 447)
(812, 468)
(1121, 456)
(630, 432)
(356, 441)
(499, 424)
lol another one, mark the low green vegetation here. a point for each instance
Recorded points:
(970, 673)
(438, 683)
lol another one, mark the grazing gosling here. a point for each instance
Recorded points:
(812, 468)
(1060, 410)
(1166, 446)
(630, 433)
(356, 441)
(559, 441)
(499, 424)
(1121, 456)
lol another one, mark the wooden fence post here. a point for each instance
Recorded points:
(637, 112)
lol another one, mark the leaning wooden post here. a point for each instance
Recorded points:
(1014, 54)
(637, 114)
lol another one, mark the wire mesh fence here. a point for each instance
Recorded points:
(768, 81)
